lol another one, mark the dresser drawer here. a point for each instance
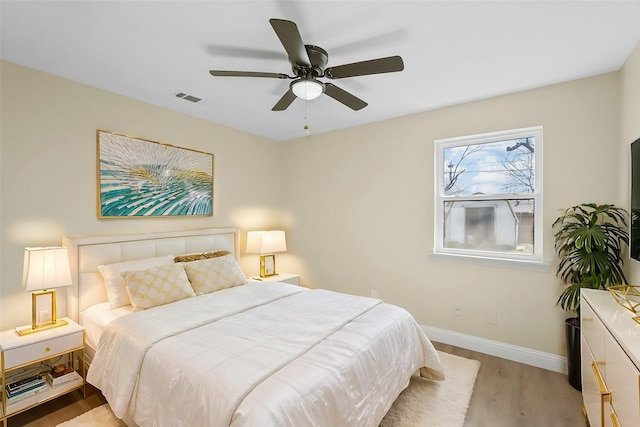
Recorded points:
(593, 399)
(594, 332)
(623, 379)
(40, 350)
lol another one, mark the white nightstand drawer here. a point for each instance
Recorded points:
(292, 279)
(42, 349)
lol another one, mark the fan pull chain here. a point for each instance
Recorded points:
(306, 125)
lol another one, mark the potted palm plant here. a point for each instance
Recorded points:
(590, 240)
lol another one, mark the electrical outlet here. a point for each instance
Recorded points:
(492, 318)
(45, 316)
(457, 310)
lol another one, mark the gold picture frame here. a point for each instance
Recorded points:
(142, 178)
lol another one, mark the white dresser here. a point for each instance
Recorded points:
(610, 353)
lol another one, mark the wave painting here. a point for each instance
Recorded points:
(147, 178)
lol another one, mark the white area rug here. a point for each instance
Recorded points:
(436, 403)
(423, 403)
(97, 417)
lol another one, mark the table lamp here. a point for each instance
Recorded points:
(266, 243)
(45, 269)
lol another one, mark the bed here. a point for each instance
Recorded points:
(241, 354)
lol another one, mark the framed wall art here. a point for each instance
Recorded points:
(142, 178)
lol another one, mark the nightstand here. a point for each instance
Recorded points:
(292, 279)
(26, 356)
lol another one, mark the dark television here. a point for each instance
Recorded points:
(634, 235)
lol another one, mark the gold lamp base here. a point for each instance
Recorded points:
(35, 327)
(268, 265)
(30, 329)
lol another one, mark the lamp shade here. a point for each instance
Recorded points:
(266, 242)
(46, 268)
(307, 89)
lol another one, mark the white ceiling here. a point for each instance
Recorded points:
(453, 51)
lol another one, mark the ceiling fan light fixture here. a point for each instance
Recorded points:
(307, 89)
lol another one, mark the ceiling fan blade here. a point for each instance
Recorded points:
(344, 97)
(285, 101)
(221, 73)
(216, 50)
(373, 66)
(290, 38)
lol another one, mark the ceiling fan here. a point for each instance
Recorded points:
(308, 63)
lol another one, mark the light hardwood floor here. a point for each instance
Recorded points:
(506, 394)
(511, 394)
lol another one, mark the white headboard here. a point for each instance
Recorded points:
(87, 252)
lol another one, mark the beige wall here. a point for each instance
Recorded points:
(361, 203)
(629, 132)
(48, 171)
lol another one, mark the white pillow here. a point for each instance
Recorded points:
(213, 274)
(114, 282)
(157, 286)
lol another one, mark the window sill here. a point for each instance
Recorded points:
(494, 262)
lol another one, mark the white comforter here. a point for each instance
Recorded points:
(263, 354)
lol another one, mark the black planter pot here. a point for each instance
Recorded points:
(572, 331)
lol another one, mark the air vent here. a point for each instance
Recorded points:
(188, 97)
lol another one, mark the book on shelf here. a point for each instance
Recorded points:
(63, 379)
(23, 383)
(35, 385)
(23, 396)
(24, 386)
(24, 393)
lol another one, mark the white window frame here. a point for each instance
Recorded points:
(441, 198)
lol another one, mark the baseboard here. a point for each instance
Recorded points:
(548, 361)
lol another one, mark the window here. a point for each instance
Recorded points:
(489, 195)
